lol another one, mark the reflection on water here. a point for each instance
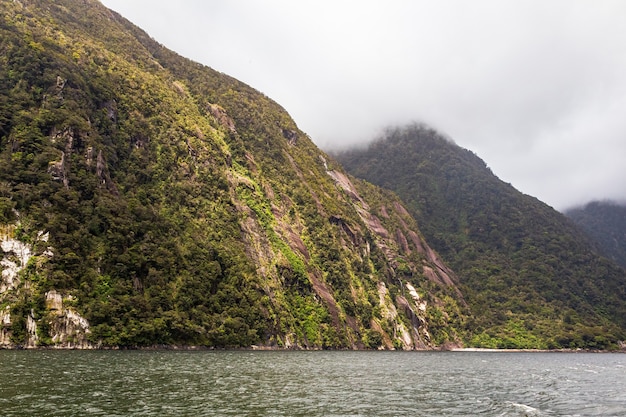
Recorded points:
(253, 383)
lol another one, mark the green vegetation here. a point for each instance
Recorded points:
(530, 277)
(182, 206)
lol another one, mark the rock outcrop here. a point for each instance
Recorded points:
(396, 251)
(67, 329)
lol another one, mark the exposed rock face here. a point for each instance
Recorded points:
(15, 257)
(291, 136)
(417, 336)
(54, 301)
(222, 117)
(5, 327)
(436, 270)
(31, 329)
(67, 328)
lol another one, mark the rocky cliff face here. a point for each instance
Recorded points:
(66, 328)
(397, 251)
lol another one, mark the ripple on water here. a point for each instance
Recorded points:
(311, 384)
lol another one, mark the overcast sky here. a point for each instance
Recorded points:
(536, 88)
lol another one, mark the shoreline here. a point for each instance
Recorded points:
(535, 350)
(190, 348)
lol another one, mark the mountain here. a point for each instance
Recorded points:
(605, 223)
(530, 277)
(148, 200)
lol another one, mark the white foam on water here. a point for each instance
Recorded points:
(526, 409)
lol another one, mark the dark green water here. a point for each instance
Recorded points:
(252, 383)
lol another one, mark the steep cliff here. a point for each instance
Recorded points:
(149, 200)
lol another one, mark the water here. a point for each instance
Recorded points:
(253, 383)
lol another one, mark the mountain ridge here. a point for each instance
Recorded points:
(532, 279)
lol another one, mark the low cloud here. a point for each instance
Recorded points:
(536, 88)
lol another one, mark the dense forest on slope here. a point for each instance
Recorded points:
(149, 200)
(605, 223)
(527, 272)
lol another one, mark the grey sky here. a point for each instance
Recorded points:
(536, 88)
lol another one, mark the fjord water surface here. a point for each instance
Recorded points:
(273, 383)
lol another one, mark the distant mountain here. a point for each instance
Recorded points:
(148, 200)
(605, 223)
(529, 275)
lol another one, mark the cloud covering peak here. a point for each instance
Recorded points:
(537, 89)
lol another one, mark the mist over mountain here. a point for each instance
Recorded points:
(530, 276)
(605, 223)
